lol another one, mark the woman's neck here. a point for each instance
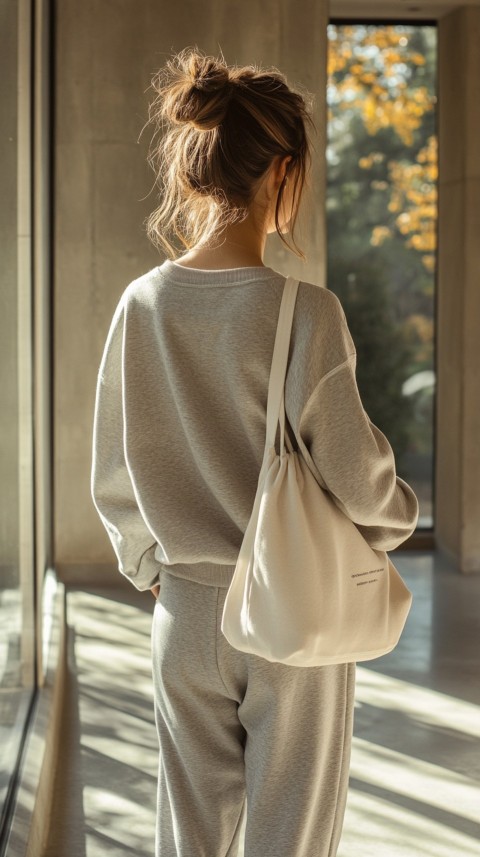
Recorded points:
(241, 245)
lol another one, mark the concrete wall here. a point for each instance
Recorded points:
(458, 323)
(106, 54)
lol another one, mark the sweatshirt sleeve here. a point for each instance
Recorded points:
(351, 457)
(112, 490)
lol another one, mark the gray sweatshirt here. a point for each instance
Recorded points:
(180, 413)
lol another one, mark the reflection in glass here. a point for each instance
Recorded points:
(381, 221)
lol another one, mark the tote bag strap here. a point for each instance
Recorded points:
(276, 384)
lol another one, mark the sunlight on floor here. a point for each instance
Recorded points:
(415, 769)
(116, 819)
(421, 703)
(376, 826)
(400, 804)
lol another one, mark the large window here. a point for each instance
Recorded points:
(382, 224)
(17, 585)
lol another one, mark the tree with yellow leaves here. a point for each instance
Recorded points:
(371, 71)
(381, 220)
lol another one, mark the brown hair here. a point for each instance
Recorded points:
(220, 129)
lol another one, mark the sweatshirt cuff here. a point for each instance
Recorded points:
(147, 572)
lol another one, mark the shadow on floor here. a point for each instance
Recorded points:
(415, 771)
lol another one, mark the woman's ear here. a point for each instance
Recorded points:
(285, 165)
(277, 174)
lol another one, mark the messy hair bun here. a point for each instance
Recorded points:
(199, 92)
(219, 129)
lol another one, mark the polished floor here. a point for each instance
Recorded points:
(415, 771)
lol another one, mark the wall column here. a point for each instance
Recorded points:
(457, 492)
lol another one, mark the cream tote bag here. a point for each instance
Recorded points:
(307, 588)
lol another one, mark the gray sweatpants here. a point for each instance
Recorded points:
(236, 731)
